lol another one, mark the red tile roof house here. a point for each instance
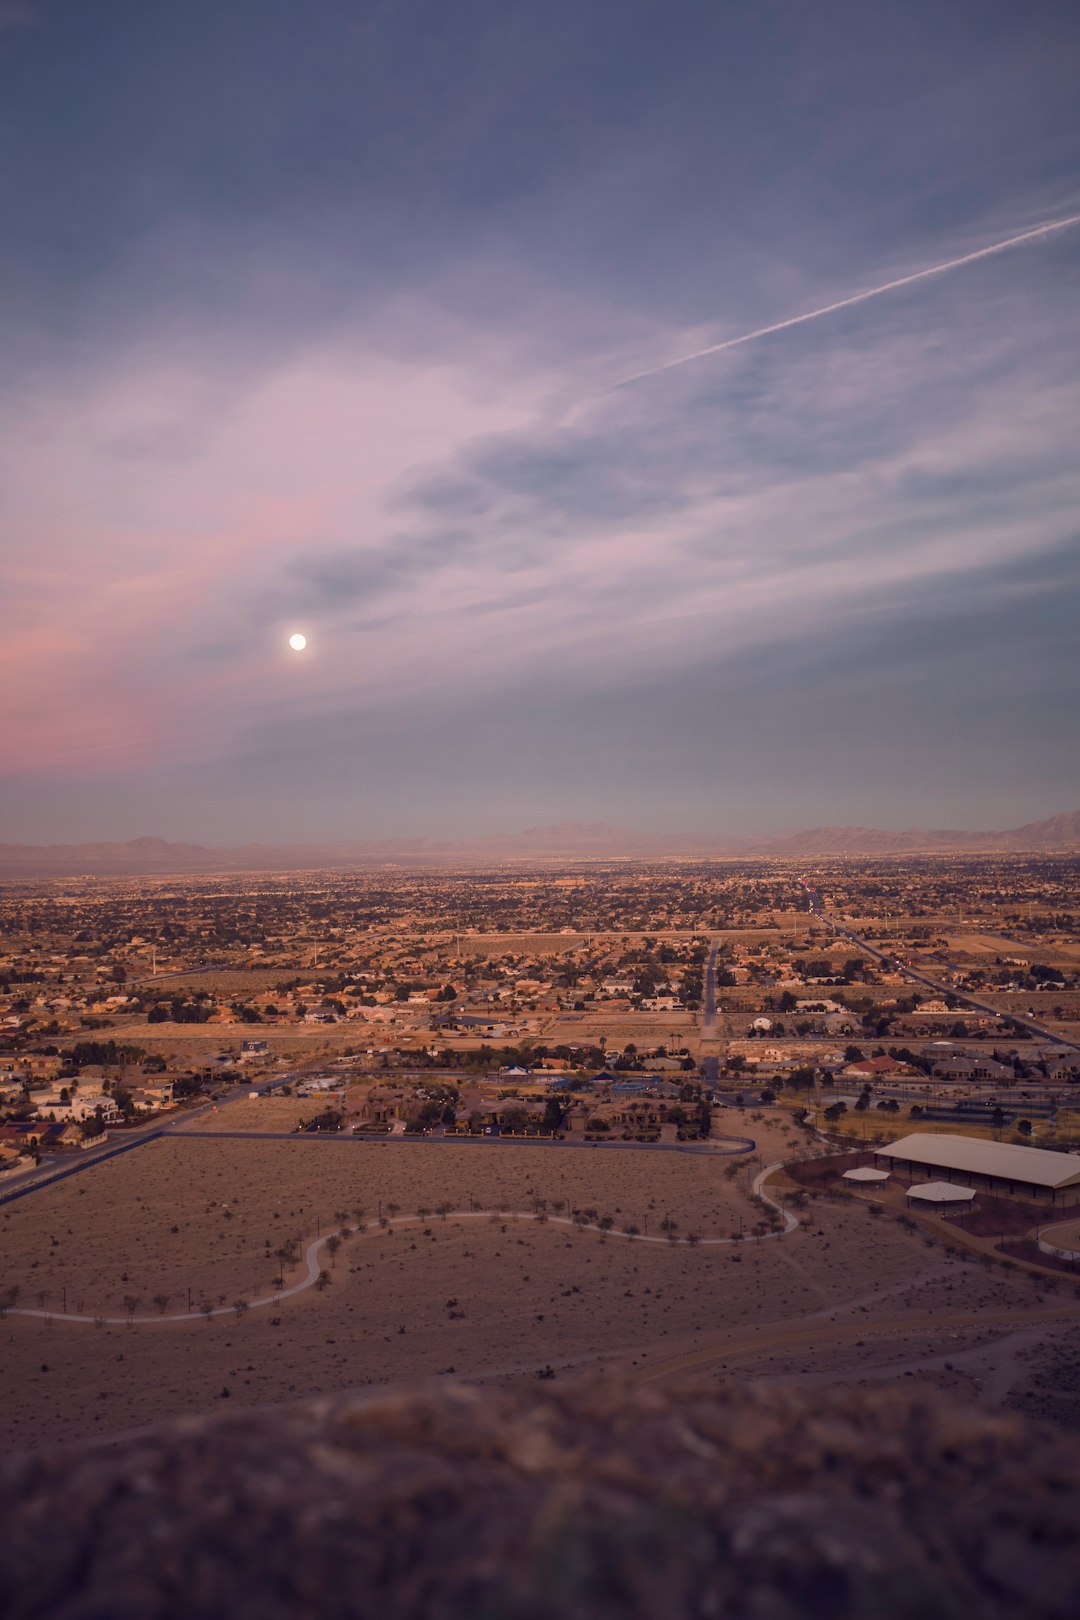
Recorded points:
(876, 1068)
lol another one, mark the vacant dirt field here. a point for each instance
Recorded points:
(194, 1046)
(206, 1212)
(994, 945)
(223, 981)
(1065, 1235)
(495, 1297)
(262, 1114)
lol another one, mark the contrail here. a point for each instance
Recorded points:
(856, 298)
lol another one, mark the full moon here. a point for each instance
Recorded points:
(298, 642)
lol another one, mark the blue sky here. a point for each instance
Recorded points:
(319, 317)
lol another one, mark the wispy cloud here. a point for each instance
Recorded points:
(388, 506)
(1035, 234)
(336, 356)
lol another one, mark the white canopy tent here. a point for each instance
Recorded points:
(940, 1192)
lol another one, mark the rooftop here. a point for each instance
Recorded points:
(1039, 1167)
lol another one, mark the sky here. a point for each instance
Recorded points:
(355, 319)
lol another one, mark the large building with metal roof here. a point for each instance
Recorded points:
(996, 1166)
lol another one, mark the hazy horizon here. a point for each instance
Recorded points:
(358, 322)
(1059, 834)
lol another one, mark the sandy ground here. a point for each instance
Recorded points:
(1066, 1234)
(492, 1298)
(262, 1114)
(195, 1044)
(994, 945)
(615, 1028)
(110, 1232)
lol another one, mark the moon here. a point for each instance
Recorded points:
(298, 642)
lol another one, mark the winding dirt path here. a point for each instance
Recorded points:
(814, 1333)
(313, 1263)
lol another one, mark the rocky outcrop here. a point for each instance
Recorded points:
(586, 1503)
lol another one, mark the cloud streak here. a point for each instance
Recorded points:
(337, 357)
(1034, 234)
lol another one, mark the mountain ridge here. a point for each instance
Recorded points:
(151, 856)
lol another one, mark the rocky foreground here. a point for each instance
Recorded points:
(585, 1502)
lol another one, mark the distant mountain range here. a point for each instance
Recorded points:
(1060, 832)
(567, 840)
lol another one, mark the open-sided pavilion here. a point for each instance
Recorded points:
(994, 1166)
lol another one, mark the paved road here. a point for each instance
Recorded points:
(720, 1146)
(51, 1170)
(710, 1063)
(708, 1003)
(47, 1173)
(940, 989)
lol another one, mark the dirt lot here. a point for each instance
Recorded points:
(489, 1298)
(615, 1028)
(262, 1114)
(223, 981)
(1063, 952)
(231, 1200)
(1065, 1235)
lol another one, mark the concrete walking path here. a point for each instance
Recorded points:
(313, 1264)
